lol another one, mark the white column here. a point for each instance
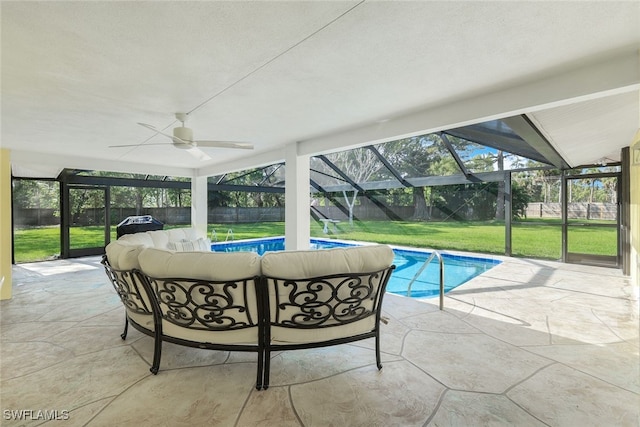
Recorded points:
(297, 199)
(199, 209)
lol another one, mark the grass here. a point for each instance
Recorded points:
(539, 239)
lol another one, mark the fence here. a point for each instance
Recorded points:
(178, 216)
(230, 215)
(603, 211)
(172, 215)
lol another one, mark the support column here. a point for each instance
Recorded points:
(297, 199)
(508, 214)
(199, 204)
(5, 225)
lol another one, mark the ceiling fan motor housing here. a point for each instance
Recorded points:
(185, 134)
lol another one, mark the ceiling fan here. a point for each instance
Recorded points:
(183, 138)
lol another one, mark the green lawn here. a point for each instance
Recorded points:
(535, 240)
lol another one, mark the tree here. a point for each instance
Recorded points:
(419, 156)
(359, 164)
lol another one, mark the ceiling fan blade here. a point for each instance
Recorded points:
(198, 154)
(140, 145)
(225, 144)
(173, 138)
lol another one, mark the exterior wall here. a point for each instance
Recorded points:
(5, 225)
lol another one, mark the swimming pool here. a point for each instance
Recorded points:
(458, 268)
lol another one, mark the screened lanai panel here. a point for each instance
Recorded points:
(359, 169)
(267, 177)
(479, 158)
(322, 174)
(420, 156)
(125, 175)
(498, 135)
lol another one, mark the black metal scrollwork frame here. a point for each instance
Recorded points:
(206, 306)
(203, 305)
(326, 301)
(323, 302)
(128, 284)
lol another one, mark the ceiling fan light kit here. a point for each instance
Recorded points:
(183, 137)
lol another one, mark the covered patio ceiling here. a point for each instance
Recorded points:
(77, 77)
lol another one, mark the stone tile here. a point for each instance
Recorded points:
(19, 359)
(573, 323)
(207, 396)
(88, 339)
(459, 408)
(618, 364)
(439, 321)
(81, 416)
(402, 306)
(561, 396)
(623, 324)
(471, 362)
(298, 366)
(176, 356)
(271, 407)
(32, 331)
(27, 307)
(398, 395)
(61, 266)
(391, 337)
(242, 357)
(75, 382)
(509, 324)
(80, 307)
(114, 317)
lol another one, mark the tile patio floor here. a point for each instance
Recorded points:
(529, 343)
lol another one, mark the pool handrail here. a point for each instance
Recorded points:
(433, 255)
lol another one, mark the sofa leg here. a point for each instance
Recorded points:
(378, 361)
(123, 335)
(157, 353)
(260, 370)
(265, 376)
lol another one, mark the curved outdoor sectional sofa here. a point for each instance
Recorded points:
(174, 289)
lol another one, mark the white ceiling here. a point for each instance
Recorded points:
(77, 76)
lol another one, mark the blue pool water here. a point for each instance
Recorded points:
(458, 269)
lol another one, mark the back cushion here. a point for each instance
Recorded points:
(137, 239)
(199, 265)
(160, 238)
(305, 264)
(123, 255)
(182, 234)
(198, 245)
